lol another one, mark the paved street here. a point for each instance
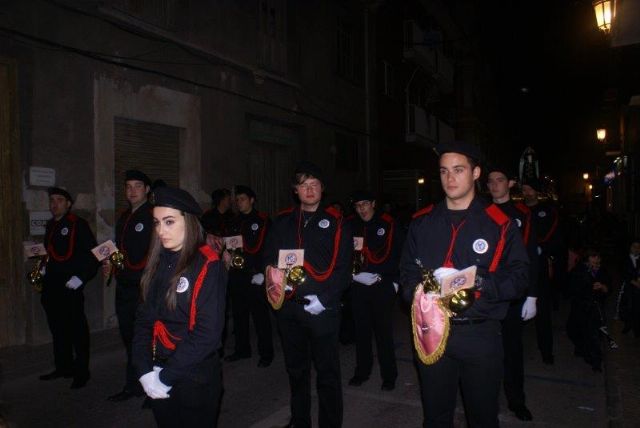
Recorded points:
(567, 394)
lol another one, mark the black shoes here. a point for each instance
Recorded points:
(358, 380)
(521, 412)
(124, 395)
(264, 362)
(388, 385)
(235, 357)
(79, 381)
(55, 375)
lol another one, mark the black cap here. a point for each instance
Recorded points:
(218, 195)
(59, 191)
(245, 190)
(134, 174)
(496, 167)
(534, 183)
(178, 199)
(461, 147)
(310, 169)
(362, 195)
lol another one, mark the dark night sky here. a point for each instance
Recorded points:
(555, 51)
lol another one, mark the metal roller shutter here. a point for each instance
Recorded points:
(149, 147)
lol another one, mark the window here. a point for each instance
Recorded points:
(388, 83)
(345, 44)
(272, 53)
(347, 153)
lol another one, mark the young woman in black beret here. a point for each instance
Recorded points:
(179, 323)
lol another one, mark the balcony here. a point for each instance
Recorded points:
(430, 58)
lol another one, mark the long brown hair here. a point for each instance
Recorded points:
(193, 239)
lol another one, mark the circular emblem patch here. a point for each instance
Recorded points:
(104, 251)
(480, 246)
(64, 231)
(519, 222)
(542, 214)
(139, 227)
(324, 223)
(459, 281)
(254, 226)
(183, 284)
(381, 231)
(291, 259)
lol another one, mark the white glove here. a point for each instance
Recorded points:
(366, 278)
(396, 286)
(74, 283)
(257, 279)
(152, 385)
(314, 307)
(529, 308)
(441, 272)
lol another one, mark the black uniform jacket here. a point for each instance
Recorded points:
(69, 242)
(581, 283)
(486, 238)
(216, 223)
(382, 244)
(547, 219)
(522, 215)
(328, 246)
(133, 234)
(253, 228)
(193, 329)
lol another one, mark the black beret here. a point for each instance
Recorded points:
(178, 199)
(457, 146)
(219, 194)
(534, 183)
(59, 191)
(362, 195)
(245, 190)
(134, 174)
(496, 167)
(310, 169)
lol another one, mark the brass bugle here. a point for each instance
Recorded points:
(117, 260)
(356, 266)
(237, 259)
(295, 276)
(35, 277)
(460, 301)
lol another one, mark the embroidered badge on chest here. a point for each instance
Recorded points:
(183, 285)
(519, 222)
(324, 223)
(542, 214)
(254, 226)
(139, 227)
(381, 231)
(64, 231)
(480, 246)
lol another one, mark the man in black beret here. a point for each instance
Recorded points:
(309, 318)
(70, 265)
(455, 234)
(246, 282)
(552, 257)
(133, 235)
(499, 182)
(375, 284)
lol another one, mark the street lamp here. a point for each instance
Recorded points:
(603, 10)
(601, 133)
(585, 176)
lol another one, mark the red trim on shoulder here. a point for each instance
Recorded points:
(523, 208)
(424, 211)
(350, 217)
(496, 214)
(285, 211)
(72, 217)
(386, 217)
(209, 253)
(334, 212)
(263, 215)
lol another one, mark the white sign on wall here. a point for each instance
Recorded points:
(38, 221)
(39, 176)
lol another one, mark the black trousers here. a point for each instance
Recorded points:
(250, 301)
(372, 307)
(193, 402)
(513, 355)
(69, 328)
(583, 329)
(127, 299)
(544, 305)
(310, 338)
(473, 358)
